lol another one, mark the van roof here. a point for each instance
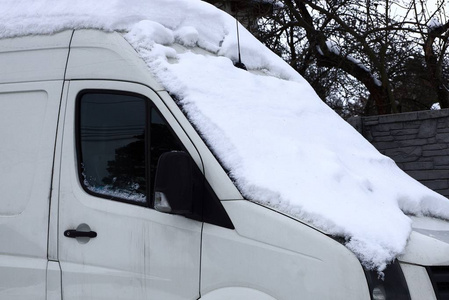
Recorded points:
(94, 54)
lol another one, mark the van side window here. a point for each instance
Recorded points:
(117, 133)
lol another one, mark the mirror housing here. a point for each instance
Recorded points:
(176, 184)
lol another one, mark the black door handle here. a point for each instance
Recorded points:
(72, 233)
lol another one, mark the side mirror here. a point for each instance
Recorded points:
(174, 186)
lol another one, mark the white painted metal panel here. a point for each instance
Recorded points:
(54, 289)
(236, 293)
(428, 244)
(28, 118)
(100, 55)
(34, 58)
(418, 282)
(279, 257)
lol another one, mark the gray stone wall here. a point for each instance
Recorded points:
(418, 142)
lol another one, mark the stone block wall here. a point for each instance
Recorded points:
(418, 142)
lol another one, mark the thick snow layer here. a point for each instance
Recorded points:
(281, 144)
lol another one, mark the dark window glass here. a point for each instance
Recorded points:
(161, 140)
(115, 142)
(112, 131)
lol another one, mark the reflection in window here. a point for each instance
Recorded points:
(121, 139)
(112, 131)
(161, 140)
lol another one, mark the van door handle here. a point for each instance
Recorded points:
(72, 233)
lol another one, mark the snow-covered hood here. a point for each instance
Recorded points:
(283, 147)
(428, 244)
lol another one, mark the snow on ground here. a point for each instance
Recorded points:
(281, 144)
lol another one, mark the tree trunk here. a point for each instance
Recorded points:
(379, 92)
(434, 66)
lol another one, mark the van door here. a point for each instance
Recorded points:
(28, 120)
(112, 244)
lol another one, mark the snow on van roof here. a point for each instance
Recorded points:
(282, 145)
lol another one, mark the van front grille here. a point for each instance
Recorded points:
(439, 276)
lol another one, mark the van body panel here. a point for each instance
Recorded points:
(315, 266)
(428, 244)
(426, 250)
(34, 58)
(418, 282)
(99, 55)
(139, 253)
(28, 118)
(52, 251)
(22, 278)
(236, 293)
(54, 289)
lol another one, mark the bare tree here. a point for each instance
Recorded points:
(365, 53)
(434, 31)
(355, 37)
(361, 57)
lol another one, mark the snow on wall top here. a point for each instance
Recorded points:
(283, 146)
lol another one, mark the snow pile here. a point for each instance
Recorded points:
(283, 146)
(435, 106)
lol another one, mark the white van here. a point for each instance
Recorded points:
(108, 192)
